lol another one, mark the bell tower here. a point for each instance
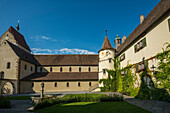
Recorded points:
(106, 56)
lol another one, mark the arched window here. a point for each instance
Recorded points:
(70, 69)
(2, 75)
(89, 69)
(40, 69)
(55, 85)
(61, 69)
(25, 67)
(67, 84)
(78, 84)
(79, 69)
(8, 65)
(89, 83)
(51, 69)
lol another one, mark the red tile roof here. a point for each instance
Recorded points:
(160, 9)
(18, 37)
(68, 60)
(63, 76)
(106, 44)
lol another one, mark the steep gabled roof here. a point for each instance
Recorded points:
(23, 54)
(18, 37)
(63, 76)
(106, 44)
(159, 10)
(67, 60)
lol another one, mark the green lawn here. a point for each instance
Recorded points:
(19, 97)
(93, 107)
(83, 95)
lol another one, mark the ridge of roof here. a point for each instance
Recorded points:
(157, 12)
(19, 38)
(106, 44)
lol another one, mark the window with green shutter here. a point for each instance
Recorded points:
(141, 44)
(169, 24)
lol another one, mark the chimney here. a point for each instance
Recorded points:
(123, 38)
(141, 18)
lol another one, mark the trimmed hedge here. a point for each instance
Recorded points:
(79, 98)
(4, 103)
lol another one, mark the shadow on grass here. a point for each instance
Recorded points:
(94, 107)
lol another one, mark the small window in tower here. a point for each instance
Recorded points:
(79, 69)
(61, 69)
(25, 67)
(31, 68)
(89, 69)
(51, 69)
(55, 85)
(8, 65)
(70, 69)
(67, 84)
(89, 83)
(40, 69)
(110, 60)
(78, 84)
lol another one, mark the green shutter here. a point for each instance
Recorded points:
(144, 42)
(169, 24)
(137, 65)
(135, 47)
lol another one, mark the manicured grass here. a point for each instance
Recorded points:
(83, 95)
(93, 107)
(19, 98)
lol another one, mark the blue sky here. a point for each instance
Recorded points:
(72, 26)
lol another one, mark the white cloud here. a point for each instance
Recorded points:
(39, 37)
(61, 51)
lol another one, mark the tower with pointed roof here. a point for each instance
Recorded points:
(117, 41)
(106, 56)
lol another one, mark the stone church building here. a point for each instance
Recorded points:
(23, 72)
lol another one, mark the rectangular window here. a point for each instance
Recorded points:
(89, 83)
(104, 71)
(140, 45)
(110, 60)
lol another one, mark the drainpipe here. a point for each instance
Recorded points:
(18, 76)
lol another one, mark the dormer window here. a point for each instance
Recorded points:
(8, 65)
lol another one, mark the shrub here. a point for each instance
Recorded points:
(79, 98)
(4, 103)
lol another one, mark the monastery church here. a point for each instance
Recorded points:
(23, 72)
